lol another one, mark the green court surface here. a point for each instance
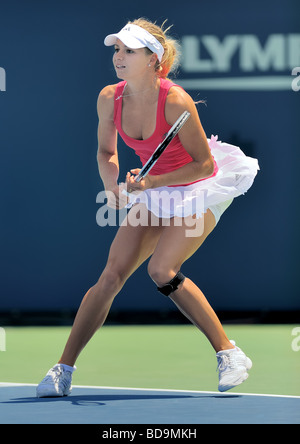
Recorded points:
(161, 357)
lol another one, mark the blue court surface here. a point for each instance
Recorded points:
(107, 405)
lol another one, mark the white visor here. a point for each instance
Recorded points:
(135, 37)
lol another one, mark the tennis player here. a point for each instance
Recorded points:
(206, 175)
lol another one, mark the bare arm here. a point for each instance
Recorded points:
(107, 155)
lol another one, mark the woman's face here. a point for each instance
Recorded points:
(130, 63)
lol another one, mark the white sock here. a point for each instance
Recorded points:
(68, 368)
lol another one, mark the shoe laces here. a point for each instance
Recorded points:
(224, 361)
(53, 375)
(56, 375)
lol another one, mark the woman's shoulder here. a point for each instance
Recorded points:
(177, 94)
(177, 101)
(106, 98)
(107, 93)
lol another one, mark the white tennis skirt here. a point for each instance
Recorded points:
(235, 176)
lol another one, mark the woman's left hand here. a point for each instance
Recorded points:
(132, 185)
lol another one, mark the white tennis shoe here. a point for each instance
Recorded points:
(233, 365)
(57, 382)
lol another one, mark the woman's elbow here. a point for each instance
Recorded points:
(208, 167)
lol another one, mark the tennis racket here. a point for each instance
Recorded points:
(163, 145)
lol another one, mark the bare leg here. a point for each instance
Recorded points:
(90, 317)
(130, 248)
(192, 302)
(172, 250)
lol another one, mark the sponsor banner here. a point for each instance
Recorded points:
(240, 62)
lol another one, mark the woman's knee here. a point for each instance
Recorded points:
(160, 272)
(112, 279)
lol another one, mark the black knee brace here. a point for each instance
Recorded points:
(172, 285)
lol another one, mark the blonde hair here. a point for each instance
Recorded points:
(171, 47)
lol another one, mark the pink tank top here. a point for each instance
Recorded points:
(175, 156)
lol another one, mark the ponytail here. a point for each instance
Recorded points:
(171, 47)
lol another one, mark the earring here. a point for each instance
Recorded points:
(149, 64)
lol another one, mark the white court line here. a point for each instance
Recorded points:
(18, 384)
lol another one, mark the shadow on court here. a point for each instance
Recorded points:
(87, 405)
(100, 399)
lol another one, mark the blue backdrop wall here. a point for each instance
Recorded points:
(238, 56)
